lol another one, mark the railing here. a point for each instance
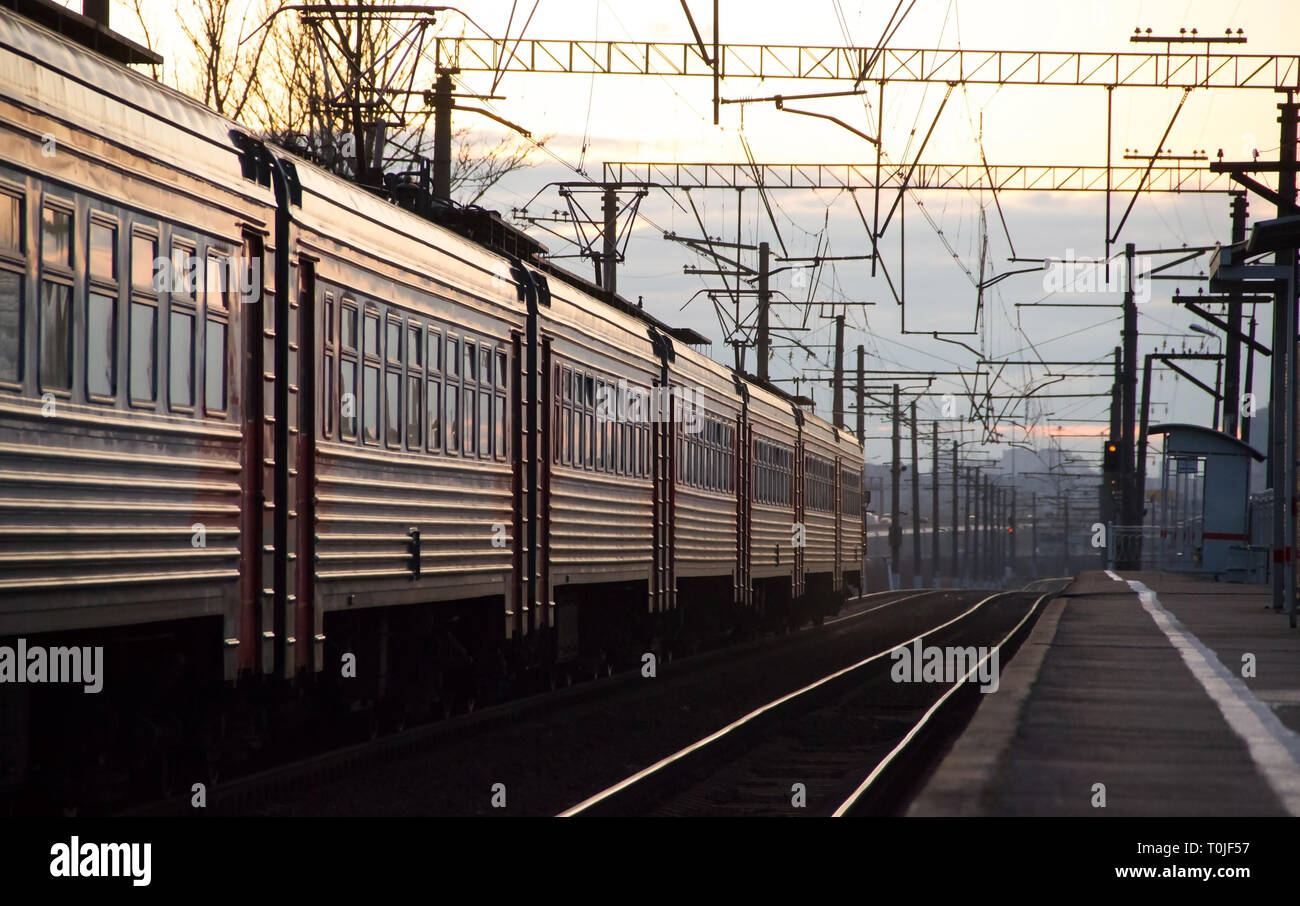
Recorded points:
(1176, 547)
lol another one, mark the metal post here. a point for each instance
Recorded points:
(916, 508)
(973, 524)
(837, 386)
(1131, 493)
(1065, 535)
(717, 65)
(609, 254)
(861, 391)
(1232, 378)
(1033, 532)
(764, 302)
(1010, 533)
(1248, 420)
(1218, 377)
(1141, 479)
(895, 523)
(953, 570)
(986, 567)
(935, 581)
(1280, 413)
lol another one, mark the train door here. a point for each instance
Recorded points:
(308, 627)
(838, 577)
(797, 588)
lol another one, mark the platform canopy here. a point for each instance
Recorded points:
(1200, 440)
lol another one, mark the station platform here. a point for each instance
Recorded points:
(1134, 681)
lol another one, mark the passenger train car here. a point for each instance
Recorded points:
(351, 435)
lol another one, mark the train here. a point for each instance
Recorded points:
(278, 444)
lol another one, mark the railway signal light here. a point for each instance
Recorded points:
(1110, 457)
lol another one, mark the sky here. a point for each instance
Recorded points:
(594, 119)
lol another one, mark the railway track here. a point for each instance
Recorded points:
(258, 791)
(852, 742)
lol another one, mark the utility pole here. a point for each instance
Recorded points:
(1131, 494)
(837, 387)
(988, 546)
(935, 581)
(1250, 376)
(1281, 420)
(609, 254)
(764, 305)
(861, 391)
(1065, 535)
(1232, 377)
(955, 524)
(1010, 533)
(1033, 532)
(999, 516)
(916, 508)
(973, 524)
(895, 518)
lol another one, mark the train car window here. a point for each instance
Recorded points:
(566, 382)
(393, 408)
(143, 334)
(485, 364)
(184, 281)
(327, 367)
(579, 438)
(503, 377)
(348, 369)
(103, 250)
(433, 405)
(414, 386)
(485, 432)
(598, 460)
(620, 464)
(56, 237)
(348, 329)
(393, 341)
(214, 369)
(56, 336)
(468, 409)
(372, 333)
(471, 371)
(566, 438)
(101, 345)
(216, 283)
(326, 389)
(499, 424)
(370, 404)
(435, 351)
(11, 326)
(348, 399)
(180, 363)
(414, 350)
(589, 390)
(453, 357)
(11, 223)
(144, 249)
(453, 413)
